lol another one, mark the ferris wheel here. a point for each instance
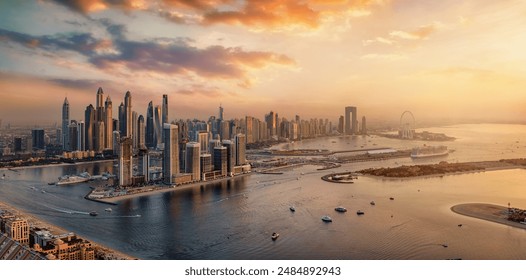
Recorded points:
(407, 125)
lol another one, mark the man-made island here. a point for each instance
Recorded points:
(494, 213)
(443, 168)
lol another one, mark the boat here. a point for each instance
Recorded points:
(391, 198)
(51, 183)
(429, 151)
(108, 210)
(275, 236)
(93, 213)
(340, 209)
(292, 209)
(326, 219)
(372, 203)
(71, 179)
(359, 212)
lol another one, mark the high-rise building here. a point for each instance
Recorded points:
(122, 120)
(230, 156)
(364, 126)
(135, 125)
(205, 165)
(211, 145)
(225, 130)
(89, 119)
(18, 144)
(158, 127)
(220, 117)
(350, 124)
(125, 161)
(100, 98)
(165, 111)
(98, 136)
(81, 136)
(203, 138)
(240, 149)
(192, 162)
(171, 153)
(271, 120)
(144, 164)
(18, 230)
(150, 127)
(141, 133)
(116, 142)
(340, 124)
(108, 124)
(37, 136)
(73, 136)
(65, 124)
(128, 120)
(220, 159)
(249, 130)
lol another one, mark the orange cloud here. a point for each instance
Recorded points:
(422, 32)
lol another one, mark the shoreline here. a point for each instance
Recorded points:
(37, 222)
(485, 211)
(115, 199)
(51, 165)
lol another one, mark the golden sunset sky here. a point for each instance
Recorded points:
(442, 60)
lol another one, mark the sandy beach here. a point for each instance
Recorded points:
(488, 212)
(35, 222)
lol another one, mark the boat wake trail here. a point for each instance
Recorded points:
(399, 225)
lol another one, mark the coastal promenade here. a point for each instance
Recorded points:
(488, 212)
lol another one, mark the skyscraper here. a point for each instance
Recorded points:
(158, 127)
(165, 111)
(192, 162)
(364, 126)
(220, 117)
(100, 98)
(122, 120)
(144, 164)
(37, 136)
(230, 156)
(150, 127)
(340, 124)
(350, 124)
(128, 123)
(65, 124)
(220, 159)
(240, 149)
(171, 153)
(135, 135)
(98, 136)
(203, 138)
(125, 161)
(141, 131)
(89, 119)
(81, 137)
(108, 124)
(73, 136)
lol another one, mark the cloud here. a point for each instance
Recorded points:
(268, 14)
(422, 32)
(89, 6)
(380, 40)
(80, 84)
(159, 55)
(388, 57)
(82, 43)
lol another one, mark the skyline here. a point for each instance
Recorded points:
(438, 60)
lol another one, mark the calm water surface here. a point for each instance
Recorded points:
(234, 219)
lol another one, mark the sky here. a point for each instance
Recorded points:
(448, 60)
